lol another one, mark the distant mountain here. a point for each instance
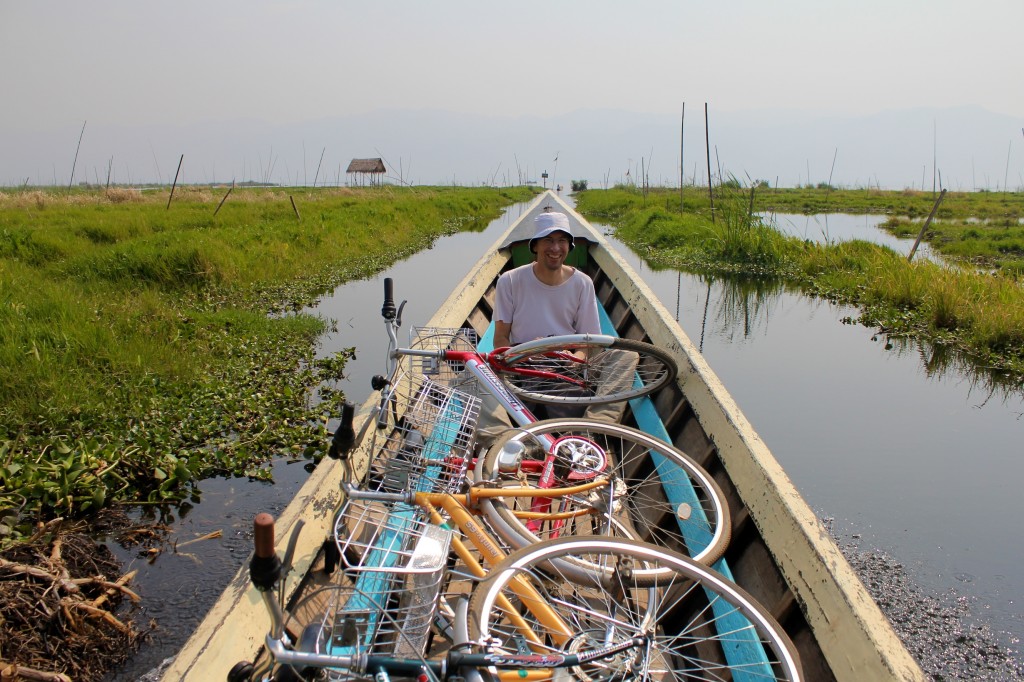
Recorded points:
(891, 149)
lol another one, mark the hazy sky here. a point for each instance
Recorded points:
(182, 61)
(177, 63)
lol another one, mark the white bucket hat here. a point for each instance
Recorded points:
(551, 222)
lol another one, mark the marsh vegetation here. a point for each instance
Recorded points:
(978, 312)
(145, 345)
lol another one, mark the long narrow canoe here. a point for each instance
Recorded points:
(779, 552)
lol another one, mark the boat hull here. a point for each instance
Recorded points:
(780, 552)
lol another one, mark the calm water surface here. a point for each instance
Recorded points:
(899, 445)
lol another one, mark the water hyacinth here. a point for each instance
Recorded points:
(143, 348)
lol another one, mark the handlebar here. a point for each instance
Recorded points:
(264, 568)
(388, 310)
(344, 435)
(263, 530)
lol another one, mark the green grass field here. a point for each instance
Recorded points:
(143, 348)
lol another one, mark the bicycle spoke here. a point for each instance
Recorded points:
(655, 493)
(696, 624)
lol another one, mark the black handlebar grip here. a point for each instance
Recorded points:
(388, 310)
(344, 435)
(263, 529)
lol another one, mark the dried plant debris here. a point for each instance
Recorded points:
(936, 632)
(59, 596)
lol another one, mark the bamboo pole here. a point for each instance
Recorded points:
(682, 128)
(1006, 175)
(828, 188)
(920, 235)
(75, 162)
(315, 177)
(175, 183)
(707, 148)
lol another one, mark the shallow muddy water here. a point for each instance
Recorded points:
(898, 445)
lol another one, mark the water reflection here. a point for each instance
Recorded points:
(742, 304)
(905, 443)
(833, 228)
(735, 308)
(940, 362)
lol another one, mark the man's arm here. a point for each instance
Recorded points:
(502, 332)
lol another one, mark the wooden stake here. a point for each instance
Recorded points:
(175, 183)
(225, 197)
(682, 129)
(75, 162)
(707, 148)
(920, 235)
(294, 208)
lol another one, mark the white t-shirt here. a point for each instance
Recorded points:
(537, 310)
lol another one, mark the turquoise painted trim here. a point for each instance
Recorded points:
(744, 649)
(373, 587)
(486, 342)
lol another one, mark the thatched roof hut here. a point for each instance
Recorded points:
(366, 168)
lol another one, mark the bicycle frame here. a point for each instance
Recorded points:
(269, 574)
(481, 366)
(458, 509)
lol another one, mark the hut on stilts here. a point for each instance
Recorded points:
(362, 172)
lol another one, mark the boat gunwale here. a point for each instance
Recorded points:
(856, 639)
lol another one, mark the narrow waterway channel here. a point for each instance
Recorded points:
(911, 454)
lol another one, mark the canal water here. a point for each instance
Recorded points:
(901, 447)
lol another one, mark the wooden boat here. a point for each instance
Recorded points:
(780, 552)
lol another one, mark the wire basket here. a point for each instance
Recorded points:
(430, 446)
(440, 339)
(388, 538)
(383, 603)
(414, 369)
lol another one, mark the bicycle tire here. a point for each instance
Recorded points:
(696, 624)
(536, 372)
(662, 495)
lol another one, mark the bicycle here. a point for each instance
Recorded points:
(524, 620)
(569, 369)
(526, 614)
(662, 495)
(398, 556)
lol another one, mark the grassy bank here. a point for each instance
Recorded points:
(981, 229)
(979, 313)
(143, 348)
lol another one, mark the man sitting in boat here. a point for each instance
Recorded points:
(541, 299)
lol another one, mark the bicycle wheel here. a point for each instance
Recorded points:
(656, 493)
(610, 369)
(693, 624)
